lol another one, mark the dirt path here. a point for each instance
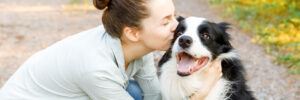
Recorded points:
(27, 26)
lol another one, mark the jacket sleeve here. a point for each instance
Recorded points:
(101, 86)
(148, 80)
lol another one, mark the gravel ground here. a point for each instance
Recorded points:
(27, 26)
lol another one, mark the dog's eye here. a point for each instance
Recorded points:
(178, 34)
(205, 36)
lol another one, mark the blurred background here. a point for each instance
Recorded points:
(266, 34)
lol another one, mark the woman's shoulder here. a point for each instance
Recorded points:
(89, 44)
(93, 35)
(90, 39)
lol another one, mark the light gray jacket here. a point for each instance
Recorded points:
(84, 66)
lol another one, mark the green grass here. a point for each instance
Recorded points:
(79, 5)
(80, 2)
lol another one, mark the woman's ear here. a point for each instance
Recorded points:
(131, 34)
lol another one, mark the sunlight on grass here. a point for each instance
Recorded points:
(276, 24)
(79, 5)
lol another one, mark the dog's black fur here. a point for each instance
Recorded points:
(232, 68)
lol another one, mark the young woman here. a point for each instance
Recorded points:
(110, 62)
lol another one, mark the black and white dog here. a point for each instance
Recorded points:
(197, 42)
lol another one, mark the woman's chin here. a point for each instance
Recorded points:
(165, 48)
(161, 47)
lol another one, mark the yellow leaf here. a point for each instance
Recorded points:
(295, 20)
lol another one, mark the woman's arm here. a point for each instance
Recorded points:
(211, 75)
(99, 87)
(148, 80)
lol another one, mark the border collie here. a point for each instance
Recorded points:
(197, 42)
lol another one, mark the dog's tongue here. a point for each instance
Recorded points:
(186, 64)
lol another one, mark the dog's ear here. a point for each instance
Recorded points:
(224, 49)
(179, 18)
(224, 26)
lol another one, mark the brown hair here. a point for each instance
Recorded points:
(121, 13)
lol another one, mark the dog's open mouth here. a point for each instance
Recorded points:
(187, 64)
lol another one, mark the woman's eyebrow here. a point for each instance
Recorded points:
(168, 17)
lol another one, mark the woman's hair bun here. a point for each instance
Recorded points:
(100, 4)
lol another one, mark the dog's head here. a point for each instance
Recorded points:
(197, 42)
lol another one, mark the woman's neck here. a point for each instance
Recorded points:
(133, 51)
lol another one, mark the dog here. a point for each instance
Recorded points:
(197, 42)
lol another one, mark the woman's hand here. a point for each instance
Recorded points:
(211, 75)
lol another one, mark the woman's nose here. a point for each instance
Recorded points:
(175, 24)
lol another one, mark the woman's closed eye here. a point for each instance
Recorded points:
(166, 23)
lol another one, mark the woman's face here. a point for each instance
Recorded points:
(158, 29)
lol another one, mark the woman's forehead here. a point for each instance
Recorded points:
(161, 8)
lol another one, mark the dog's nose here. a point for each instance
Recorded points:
(185, 41)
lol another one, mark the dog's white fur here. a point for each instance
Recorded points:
(175, 87)
(196, 46)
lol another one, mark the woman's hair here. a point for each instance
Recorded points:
(121, 13)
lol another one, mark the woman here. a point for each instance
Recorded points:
(109, 62)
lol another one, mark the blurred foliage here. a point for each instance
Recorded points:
(80, 1)
(80, 5)
(275, 23)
